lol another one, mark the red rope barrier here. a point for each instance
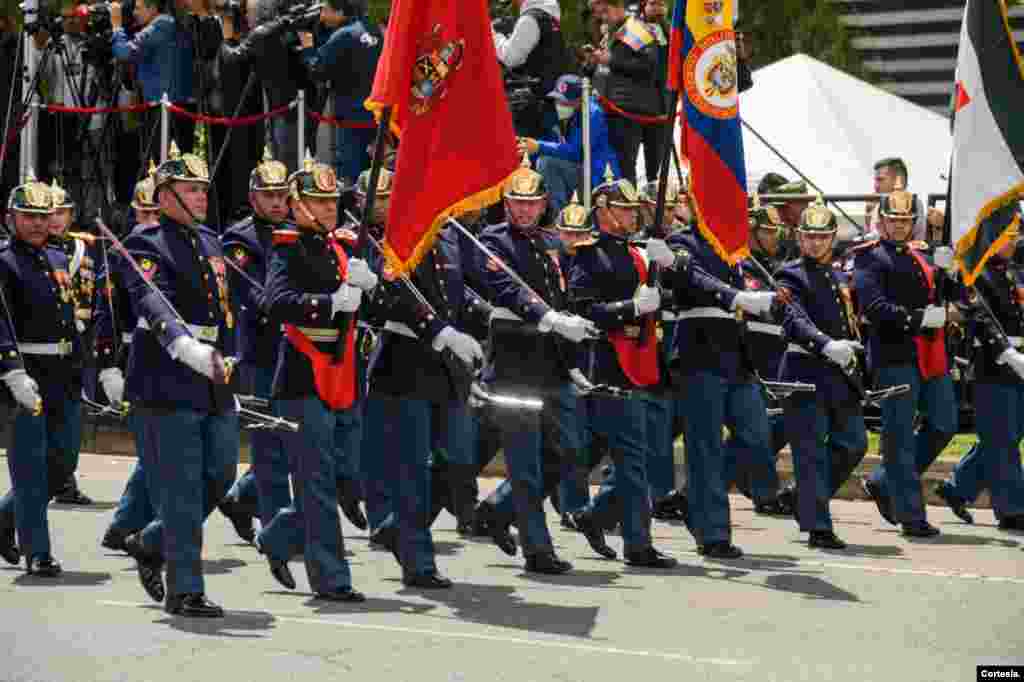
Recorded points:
(611, 107)
(230, 122)
(338, 123)
(60, 109)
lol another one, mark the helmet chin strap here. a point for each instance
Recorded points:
(320, 227)
(191, 216)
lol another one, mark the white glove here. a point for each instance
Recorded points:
(112, 381)
(658, 252)
(477, 396)
(934, 317)
(943, 258)
(463, 345)
(572, 327)
(647, 299)
(1013, 358)
(360, 275)
(194, 354)
(346, 299)
(754, 302)
(24, 388)
(842, 352)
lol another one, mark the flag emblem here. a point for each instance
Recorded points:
(435, 62)
(710, 76)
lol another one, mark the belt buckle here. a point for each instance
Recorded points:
(631, 331)
(64, 347)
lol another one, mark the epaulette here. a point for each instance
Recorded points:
(286, 237)
(863, 246)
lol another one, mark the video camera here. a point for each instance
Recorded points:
(301, 15)
(40, 19)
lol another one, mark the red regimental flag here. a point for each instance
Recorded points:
(439, 74)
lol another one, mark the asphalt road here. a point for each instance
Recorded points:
(887, 609)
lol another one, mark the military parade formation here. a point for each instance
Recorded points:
(560, 340)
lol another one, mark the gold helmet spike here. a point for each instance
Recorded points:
(755, 199)
(575, 197)
(30, 176)
(267, 154)
(609, 175)
(152, 169)
(525, 162)
(173, 152)
(309, 163)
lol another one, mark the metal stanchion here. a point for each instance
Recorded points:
(27, 157)
(587, 179)
(300, 133)
(165, 127)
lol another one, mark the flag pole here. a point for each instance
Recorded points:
(346, 320)
(587, 151)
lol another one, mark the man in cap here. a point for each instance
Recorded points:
(317, 381)
(41, 367)
(561, 160)
(115, 325)
(179, 375)
(902, 296)
(79, 249)
(826, 428)
(538, 327)
(248, 244)
(609, 282)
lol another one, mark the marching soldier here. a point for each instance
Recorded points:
(902, 297)
(425, 337)
(115, 324)
(79, 249)
(317, 380)
(826, 428)
(178, 379)
(528, 356)
(41, 366)
(609, 282)
(766, 346)
(998, 389)
(715, 386)
(248, 245)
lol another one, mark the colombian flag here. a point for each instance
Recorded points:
(702, 68)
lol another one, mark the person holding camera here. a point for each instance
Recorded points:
(349, 60)
(162, 55)
(535, 50)
(267, 50)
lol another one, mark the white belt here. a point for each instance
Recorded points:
(793, 348)
(319, 334)
(505, 314)
(201, 332)
(765, 328)
(668, 316)
(400, 328)
(61, 348)
(1015, 341)
(126, 337)
(697, 313)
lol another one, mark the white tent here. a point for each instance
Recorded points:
(833, 127)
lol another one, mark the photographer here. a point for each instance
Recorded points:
(268, 51)
(162, 54)
(536, 50)
(349, 60)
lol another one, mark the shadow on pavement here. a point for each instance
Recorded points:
(221, 566)
(502, 606)
(94, 507)
(79, 578)
(372, 604)
(581, 578)
(810, 586)
(250, 623)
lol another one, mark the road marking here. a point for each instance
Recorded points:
(664, 655)
(916, 571)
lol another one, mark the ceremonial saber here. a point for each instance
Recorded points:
(226, 366)
(99, 410)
